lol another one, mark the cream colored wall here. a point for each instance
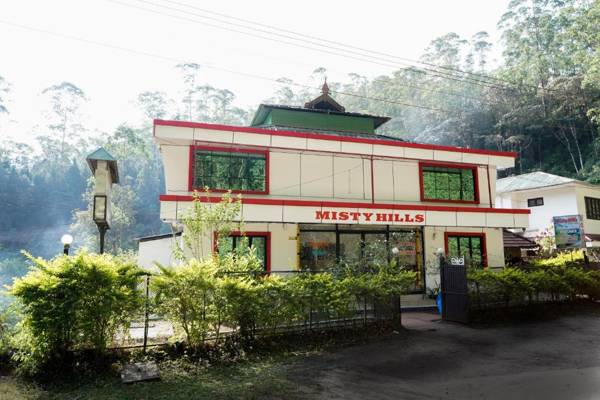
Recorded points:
(591, 226)
(327, 176)
(176, 161)
(347, 177)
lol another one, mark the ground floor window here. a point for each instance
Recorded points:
(471, 246)
(238, 243)
(322, 247)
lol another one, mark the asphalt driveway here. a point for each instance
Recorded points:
(558, 359)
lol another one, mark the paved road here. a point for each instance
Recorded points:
(557, 359)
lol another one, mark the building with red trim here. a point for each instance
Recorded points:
(319, 186)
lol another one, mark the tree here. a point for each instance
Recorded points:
(203, 220)
(153, 104)
(4, 90)
(189, 72)
(65, 100)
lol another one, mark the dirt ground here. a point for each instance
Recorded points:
(558, 359)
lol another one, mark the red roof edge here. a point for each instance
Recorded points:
(323, 136)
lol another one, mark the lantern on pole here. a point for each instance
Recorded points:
(104, 169)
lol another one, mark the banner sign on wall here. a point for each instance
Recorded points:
(390, 217)
(568, 231)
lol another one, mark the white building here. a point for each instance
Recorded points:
(548, 196)
(320, 185)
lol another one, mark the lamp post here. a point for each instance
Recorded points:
(104, 169)
(66, 240)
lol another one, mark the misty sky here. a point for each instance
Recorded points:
(32, 61)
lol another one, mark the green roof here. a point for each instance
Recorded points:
(321, 114)
(102, 155)
(532, 180)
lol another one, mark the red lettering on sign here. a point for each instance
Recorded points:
(408, 218)
(368, 216)
(322, 215)
(381, 217)
(419, 218)
(355, 216)
(343, 216)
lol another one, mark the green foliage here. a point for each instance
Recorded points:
(554, 279)
(70, 303)
(202, 220)
(186, 294)
(204, 296)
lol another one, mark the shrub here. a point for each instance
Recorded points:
(71, 303)
(185, 295)
(553, 280)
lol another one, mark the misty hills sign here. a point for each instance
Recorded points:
(409, 218)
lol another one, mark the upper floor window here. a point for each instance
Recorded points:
(538, 201)
(229, 169)
(442, 182)
(592, 208)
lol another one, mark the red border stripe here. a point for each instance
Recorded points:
(322, 136)
(342, 204)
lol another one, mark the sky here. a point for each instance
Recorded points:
(32, 59)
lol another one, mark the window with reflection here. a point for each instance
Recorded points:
(317, 250)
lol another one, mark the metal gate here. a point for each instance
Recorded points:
(455, 293)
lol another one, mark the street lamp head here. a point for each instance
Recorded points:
(66, 239)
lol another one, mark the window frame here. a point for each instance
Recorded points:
(482, 235)
(265, 234)
(192, 163)
(535, 199)
(472, 167)
(588, 213)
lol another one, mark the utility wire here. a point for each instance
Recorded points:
(370, 59)
(272, 27)
(208, 66)
(462, 77)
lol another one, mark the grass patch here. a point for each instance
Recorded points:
(259, 379)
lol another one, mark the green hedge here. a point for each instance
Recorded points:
(200, 299)
(543, 281)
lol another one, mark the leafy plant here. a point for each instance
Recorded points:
(71, 303)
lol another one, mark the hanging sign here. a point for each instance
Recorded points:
(568, 231)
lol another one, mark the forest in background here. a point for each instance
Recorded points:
(543, 101)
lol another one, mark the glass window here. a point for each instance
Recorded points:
(224, 170)
(239, 244)
(453, 184)
(469, 247)
(538, 201)
(592, 208)
(317, 250)
(405, 248)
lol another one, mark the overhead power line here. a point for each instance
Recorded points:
(275, 28)
(450, 71)
(209, 66)
(304, 44)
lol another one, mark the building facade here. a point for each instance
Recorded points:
(548, 196)
(319, 186)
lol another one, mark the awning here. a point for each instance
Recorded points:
(512, 239)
